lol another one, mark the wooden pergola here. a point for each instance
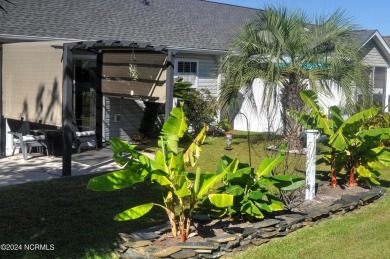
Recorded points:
(99, 47)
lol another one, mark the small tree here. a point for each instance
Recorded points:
(200, 106)
(356, 148)
(168, 169)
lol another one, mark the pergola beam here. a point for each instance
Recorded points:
(67, 110)
(2, 119)
(67, 86)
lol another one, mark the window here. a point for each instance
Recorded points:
(184, 67)
(188, 70)
(378, 75)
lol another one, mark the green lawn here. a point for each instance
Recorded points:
(79, 222)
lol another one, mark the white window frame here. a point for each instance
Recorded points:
(176, 73)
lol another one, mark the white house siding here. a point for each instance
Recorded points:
(131, 113)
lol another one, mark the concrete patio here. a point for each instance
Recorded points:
(38, 167)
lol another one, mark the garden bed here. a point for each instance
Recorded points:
(222, 238)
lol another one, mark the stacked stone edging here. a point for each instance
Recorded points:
(139, 245)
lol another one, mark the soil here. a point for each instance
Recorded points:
(201, 231)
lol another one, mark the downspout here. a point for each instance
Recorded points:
(169, 82)
(2, 119)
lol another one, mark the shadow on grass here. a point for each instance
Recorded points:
(78, 222)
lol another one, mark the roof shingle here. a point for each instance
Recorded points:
(177, 23)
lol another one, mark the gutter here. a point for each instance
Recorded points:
(22, 38)
(198, 51)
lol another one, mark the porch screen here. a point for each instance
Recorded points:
(137, 74)
(32, 82)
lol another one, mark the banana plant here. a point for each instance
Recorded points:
(355, 147)
(168, 169)
(248, 193)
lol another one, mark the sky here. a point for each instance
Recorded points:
(374, 14)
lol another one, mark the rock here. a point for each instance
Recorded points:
(132, 254)
(265, 223)
(197, 245)
(289, 221)
(281, 234)
(351, 198)
(234, 230)
(125, 237)
(137, 236)
(167, 251)
(160, 229)
(316, 213)
(203, 251)
(248, 231)
(245, 242)
(268, 234)
(269, 229)
(232, 244)
(260, 241)
(222, 239)
(184, 253)
(347, 205)
(192, 234)
(335, 207)
(214, 255)
(136, 244)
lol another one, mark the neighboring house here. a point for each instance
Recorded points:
(376, 54)
(33, 32)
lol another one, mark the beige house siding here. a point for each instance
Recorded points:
(32, 82)
(373, 56)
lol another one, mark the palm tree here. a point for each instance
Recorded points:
(290, 53)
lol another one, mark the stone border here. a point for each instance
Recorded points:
(139, 245)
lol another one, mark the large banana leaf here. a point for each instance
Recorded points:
(176, 123)
(384, 157)
(208, 181)
(340, 140)
(192, 154)
(268, 164)
(182, 186)
(116, 180)
(221, 200)
(135, 212)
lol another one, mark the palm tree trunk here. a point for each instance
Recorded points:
(291, 100)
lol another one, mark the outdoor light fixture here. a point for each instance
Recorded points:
(133, 66)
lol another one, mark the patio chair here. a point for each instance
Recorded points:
(21, 138)
(26, 142)
(83, 136)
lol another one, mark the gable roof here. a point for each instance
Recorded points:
(364, 36)
(387, 39)
(175, 23)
